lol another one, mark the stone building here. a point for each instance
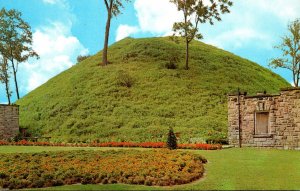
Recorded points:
(265, 120)
(9, 121)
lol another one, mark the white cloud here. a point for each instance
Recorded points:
(282, 9)
(249, 21)
(51, 1)
(240, 37)
(156, 16)
(124, 31)
(252, 23)
(57, 49)
(60, 4)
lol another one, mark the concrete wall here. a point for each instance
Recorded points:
(283, 125)
(9, 121)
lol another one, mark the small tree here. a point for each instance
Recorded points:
(290, 48)
(194, 13)
(172, 140)
(15, 40)
(4, 77)
(113, 9)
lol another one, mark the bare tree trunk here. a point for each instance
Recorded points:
(7, 91)
(15, 78)
(187, 54)
(298, 76)
(105, 49)
(6, 81)
(185, 14)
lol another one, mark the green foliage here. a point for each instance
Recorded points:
(172, 140)
(114, 6)
(290, 48)
(85, 103)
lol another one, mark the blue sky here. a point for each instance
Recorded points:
(64, 29)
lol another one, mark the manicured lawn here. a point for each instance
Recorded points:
(242, 169)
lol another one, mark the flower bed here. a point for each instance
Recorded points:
(116, 144)
(152, 167)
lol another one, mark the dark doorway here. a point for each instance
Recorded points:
(262, 123)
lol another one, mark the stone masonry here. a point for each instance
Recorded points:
(271, 121)
(9, 121)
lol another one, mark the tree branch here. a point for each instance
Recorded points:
(196, 27)
(106, 5)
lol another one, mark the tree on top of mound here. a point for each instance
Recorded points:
(113, 9)
(194, 13)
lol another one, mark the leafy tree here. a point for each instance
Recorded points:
(113, 9)
(172, 140)
(290, 48)
(4, 77)
(194, 13)
(15, 40)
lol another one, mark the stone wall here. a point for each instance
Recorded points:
(277, 116)
(9, 121)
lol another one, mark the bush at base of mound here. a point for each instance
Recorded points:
(153, 167)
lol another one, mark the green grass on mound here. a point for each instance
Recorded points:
(136, 98)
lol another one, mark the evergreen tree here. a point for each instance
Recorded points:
(172, 140)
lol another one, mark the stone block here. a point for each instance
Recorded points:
(9, 121)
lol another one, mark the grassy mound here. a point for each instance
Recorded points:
(153, 167)
(142, 93)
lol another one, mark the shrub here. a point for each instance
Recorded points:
(217, 138)
(222, 141)
(172, 62)
(81, 58)
(172, 140)
(171, 65)
(124, 79)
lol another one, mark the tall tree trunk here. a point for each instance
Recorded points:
(104, 59)
(186, 54)
(7, 91)
(15, 78)
(6, 80)
(298, 76)
(185, 14)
